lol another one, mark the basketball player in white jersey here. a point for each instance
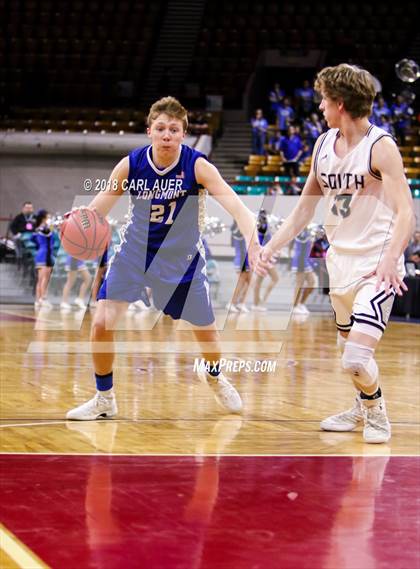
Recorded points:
(358, 169)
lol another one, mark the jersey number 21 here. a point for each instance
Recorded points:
(158, 213)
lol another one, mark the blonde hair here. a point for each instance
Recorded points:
(171, 107)
(350, 84)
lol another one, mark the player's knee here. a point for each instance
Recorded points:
(100, 326)
(359, 361)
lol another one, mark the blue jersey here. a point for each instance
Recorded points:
(164, 214)
(161, 245)
(44, 241)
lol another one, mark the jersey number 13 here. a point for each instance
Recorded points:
(341, 205)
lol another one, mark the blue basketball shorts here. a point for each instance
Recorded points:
(181, 298)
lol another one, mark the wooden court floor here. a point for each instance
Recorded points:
(165, 410)
(174, 482)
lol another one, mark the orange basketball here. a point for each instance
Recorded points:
(85, 234)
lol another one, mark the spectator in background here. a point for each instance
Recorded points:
(291, 151)
(302, 266)
(305, 99)
(274, 143)
(197, 123)
(275, 97)
(412, 253)
(75, 268)
(259, 132)
(386, 124)
(285, 115)
(241, 265)
(306, 152)
(401, 115)
(312, 129)
(380, 109)
(293, 188)
(43, 237)
(320, 245)
(263, 236)
(319, 251)
(275, 190)
(24, 221)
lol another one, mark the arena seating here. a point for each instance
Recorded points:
(79, 119)
(235, 31)
(78, 53)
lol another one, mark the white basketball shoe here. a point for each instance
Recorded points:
(223, 391)
(346, 421)
(99, 407)
(377, 427)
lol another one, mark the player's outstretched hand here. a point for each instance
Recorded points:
(265, 261)
(254, 254)
(387, 273)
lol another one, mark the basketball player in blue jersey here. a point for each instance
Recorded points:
(359, 170)
(161, 248)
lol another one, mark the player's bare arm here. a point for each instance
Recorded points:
(294, 223)
(208, 176)
(387, 160)
(105, 200)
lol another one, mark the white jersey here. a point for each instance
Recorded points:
(358, 221)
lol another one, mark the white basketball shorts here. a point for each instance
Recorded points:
(356, 302)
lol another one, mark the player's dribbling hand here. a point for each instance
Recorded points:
(387, 273)
(266, 261)
(73, 209)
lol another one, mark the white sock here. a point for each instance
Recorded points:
(108, 393)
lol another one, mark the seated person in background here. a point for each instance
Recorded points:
(274, 143)
(24, 221)
(306, 152)
(259, 132)
(291, 150)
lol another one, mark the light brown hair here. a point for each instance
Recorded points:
(350, 84)
(171, 107)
